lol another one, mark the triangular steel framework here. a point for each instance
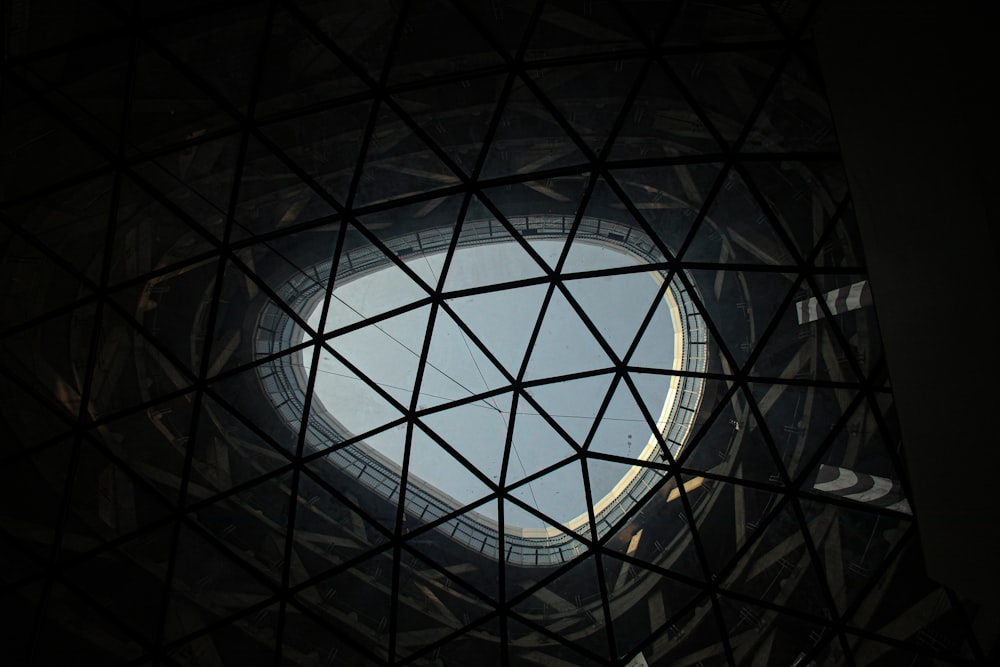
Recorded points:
(164, 188)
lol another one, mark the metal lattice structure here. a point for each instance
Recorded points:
(179, 181)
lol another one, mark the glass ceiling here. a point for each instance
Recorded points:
(442, 333)
(504, 321)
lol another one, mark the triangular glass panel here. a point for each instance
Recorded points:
(852, 545)
(198, 180)
(455, 115)
(800, 419)
(479, 645)
(133, 370)
(281, 404)
(345, 404)
(573, 404)
(741, 304)
(242, 640)
(539, 208)
(108, 500)
(535, 444)
(568, 86)
(475, 433)
(387, 352)
(661, 123)
(86, 83)
(873, 436)
(528, 138)
(359, 294)
(733, 445)
(615, 489)
(153, 443)
(696, 23)
(528, 646)
(623, 430)
(736, 230)
(649, 19)
(272, 196)
(868, 651)
(155, 308)
(252, 523)
(571, 606)
(533, 545)
(227, 453)
(669, 198)
(762, 633)
(63, 605)
(429, 613)
(63, 33)
(72, 223)
(660, 534)
(504, 26)
(842, 247)
(591, 251)
(362, 32)
(143, 560)
(151, 236)
(28, 420)
(489, 253)
(233, 343)
(208, 585)
(448, 375)
(190, 114)
(365, 476)
(564, 344)
(803, 197)
(778, 568)
(851, 304)
(726, 84)
(469, 554)
(304, 636)
(804, 346)
(503, 321)
(752, 509)
(43, 149)
(28, 358)
(560, 495)
(324, 145)
(435, 470)
(795, 116)
(298, 263)
(398, 163)
(35, 483)
(563, 29)
(225, 58)
(34, 283)
(299, 71)
(673, 323)
(545, 234)
(663, 597)
(361, 594)
(438, 41)
(328, 531)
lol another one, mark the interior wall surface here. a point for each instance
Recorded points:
(911, 89)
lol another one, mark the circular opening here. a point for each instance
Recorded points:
(397, 395)
(482, 342)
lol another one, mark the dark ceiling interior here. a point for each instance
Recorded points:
(173, 172)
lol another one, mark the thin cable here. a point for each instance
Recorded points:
(405, 347)
(496, 406)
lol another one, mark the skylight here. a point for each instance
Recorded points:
(601, 396)
(388, 353)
